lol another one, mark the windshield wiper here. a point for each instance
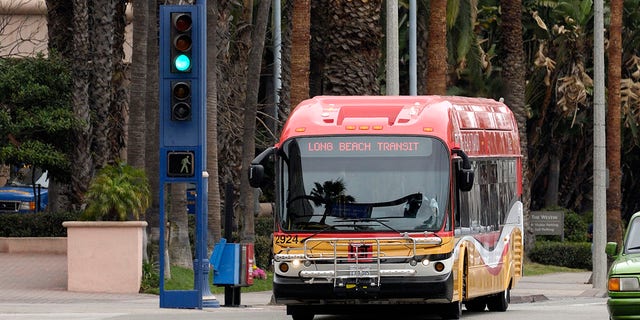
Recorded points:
(380, 220)
(318, 232)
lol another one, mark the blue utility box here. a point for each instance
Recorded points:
(225, 260)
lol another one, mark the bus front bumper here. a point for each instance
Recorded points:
(392, 290)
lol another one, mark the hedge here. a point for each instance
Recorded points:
(42, 224)
(565, 254)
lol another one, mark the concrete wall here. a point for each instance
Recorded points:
(49, 245)
(23, 28)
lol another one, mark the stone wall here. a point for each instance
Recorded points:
(48, 245)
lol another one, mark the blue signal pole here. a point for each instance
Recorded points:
(183, 122)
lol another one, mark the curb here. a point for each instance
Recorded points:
(529, 299)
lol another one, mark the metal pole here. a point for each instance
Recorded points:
(393, 73)
(599, 153)
(413, 52)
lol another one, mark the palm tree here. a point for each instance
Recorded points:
(118, 192)
(151, 121)
(137, 115)
(513, 77)
(213, 204)
(101, 44)
(250, 112)
(437, 49)
(83, 165)
(614, 114)
(300, 55)
(352, 47)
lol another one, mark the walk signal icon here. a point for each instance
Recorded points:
(180, 164)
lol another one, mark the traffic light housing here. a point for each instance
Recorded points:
(181, 100)
(182, 75)
(181, 42)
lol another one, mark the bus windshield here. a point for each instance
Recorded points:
(364, 183)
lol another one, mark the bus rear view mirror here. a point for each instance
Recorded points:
(465, 179)
(256, 174)
(464, 172)
(256, 170)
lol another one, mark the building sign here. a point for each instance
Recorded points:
(548, 223)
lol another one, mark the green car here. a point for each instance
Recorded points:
(624, 275)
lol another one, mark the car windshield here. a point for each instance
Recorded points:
(26, 176)
(632, 244)
(364, 183)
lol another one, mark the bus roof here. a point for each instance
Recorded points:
(479, 126)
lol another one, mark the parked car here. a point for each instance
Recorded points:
(25, 192)
(624, 274)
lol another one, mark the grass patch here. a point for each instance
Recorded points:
(182, 279)
(536, 269)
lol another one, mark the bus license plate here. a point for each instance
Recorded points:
(359, 271)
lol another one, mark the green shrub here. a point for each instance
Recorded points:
(565, 254)
(263, 243)
(42, 224)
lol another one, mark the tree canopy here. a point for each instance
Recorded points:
(36, 118)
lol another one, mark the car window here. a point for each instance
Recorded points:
(633, 237)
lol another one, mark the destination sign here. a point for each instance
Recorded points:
(365, 146)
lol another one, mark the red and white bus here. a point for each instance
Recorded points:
(405, 200)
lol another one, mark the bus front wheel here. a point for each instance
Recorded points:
(500, 302)
(452, 310)
(302, 316)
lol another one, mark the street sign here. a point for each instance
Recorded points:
(180, 164)
(548, 223)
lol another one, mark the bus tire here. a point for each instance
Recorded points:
(302, 316)
(476, 305)
(500, 301)
(452, 310)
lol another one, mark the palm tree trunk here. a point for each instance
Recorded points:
(137, 116)
(179, 245)
(213, 202)
(250, 112)
(300, 55)
(152, 124)
(82, 168)
(101, 43)
(437, 49)
(513, 76)
(613, 121)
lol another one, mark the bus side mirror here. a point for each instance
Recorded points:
(464, 174)
(256, 174)
(256, 170)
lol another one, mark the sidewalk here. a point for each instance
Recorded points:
(30, 280)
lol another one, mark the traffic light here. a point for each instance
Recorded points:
(181, 100)
(182, 57)
(182, 42)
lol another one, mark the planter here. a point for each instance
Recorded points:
(104, 256)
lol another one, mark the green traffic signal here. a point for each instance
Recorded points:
(182, 63)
